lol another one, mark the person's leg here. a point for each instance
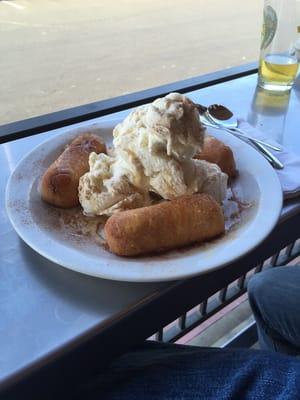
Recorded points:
(274, 296)
(164, 372)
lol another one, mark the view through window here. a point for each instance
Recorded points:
(57, 54)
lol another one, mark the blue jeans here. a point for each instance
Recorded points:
(165, 371)
(274, 297)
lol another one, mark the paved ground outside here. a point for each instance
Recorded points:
(56, 54)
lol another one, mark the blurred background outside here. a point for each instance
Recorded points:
(56, 54)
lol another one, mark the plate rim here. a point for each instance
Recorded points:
(261, 235)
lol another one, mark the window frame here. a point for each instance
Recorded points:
(35, 125)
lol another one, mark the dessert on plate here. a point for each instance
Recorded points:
(161, 186)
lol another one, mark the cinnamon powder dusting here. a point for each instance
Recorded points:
(73, 225)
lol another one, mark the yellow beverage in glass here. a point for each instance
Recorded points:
(277, 72)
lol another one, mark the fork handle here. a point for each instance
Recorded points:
(265, 152)
(269, 156)
(261, 148)
(241, 132)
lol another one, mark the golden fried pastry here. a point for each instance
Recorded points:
(217, 152)
(167, 225)
(59, 185)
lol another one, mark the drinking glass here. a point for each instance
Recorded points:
(278, 64)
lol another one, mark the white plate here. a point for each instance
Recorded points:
(36, 225)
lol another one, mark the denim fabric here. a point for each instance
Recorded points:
(164, 372)
(274, 297)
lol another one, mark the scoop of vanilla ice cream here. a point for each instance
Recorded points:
(153, 151)
(162, 138)
(169, 126)
(204, 177)
(107, 187)
(158, 137)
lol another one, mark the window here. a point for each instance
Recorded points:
(57, 54)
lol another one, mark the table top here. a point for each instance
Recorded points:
(44, 308)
